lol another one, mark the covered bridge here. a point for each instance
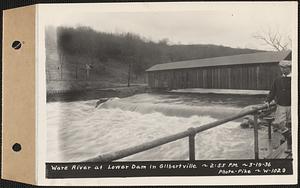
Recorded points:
(254, 71)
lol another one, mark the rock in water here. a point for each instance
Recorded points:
(248, 120)
(100, 101)
(247, 123)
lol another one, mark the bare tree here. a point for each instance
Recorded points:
(274, 39)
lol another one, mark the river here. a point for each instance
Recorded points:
(78, 130)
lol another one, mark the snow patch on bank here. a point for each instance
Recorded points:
(221, 91)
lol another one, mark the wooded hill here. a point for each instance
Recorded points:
(112, 56)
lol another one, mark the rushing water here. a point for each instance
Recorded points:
(78, 131)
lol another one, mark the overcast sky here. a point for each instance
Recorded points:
(228, 24)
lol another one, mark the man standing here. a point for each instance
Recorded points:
(281, 93)
(88, 68)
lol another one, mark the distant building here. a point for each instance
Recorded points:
(254, 71)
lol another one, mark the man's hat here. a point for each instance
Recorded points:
(285, 63)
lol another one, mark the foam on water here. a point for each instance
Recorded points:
(78, 131)
(172, 109)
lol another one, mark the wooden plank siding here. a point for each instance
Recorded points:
(250, 76)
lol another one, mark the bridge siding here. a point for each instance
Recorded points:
(250, 76)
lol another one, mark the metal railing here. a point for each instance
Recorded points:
(191, 133)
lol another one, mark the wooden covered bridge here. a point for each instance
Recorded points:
(254, 71)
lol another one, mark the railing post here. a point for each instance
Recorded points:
(269, 121)
(269, 131)
(255, 127)
(192, 143)
(289, 136)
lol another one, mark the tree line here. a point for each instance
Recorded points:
(137, 52)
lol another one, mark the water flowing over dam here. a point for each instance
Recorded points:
(170, 107)
(77, 130)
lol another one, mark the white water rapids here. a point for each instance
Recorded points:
(78, 131)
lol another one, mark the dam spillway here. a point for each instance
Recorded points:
(78, 130)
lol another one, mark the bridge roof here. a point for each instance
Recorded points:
(253, 58)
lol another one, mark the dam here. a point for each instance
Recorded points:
(78, 130)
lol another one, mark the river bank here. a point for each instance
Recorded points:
(93, 93)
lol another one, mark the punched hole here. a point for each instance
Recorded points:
(16, 45)
(17, 147)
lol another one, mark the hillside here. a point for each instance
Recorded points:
(79, 58)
